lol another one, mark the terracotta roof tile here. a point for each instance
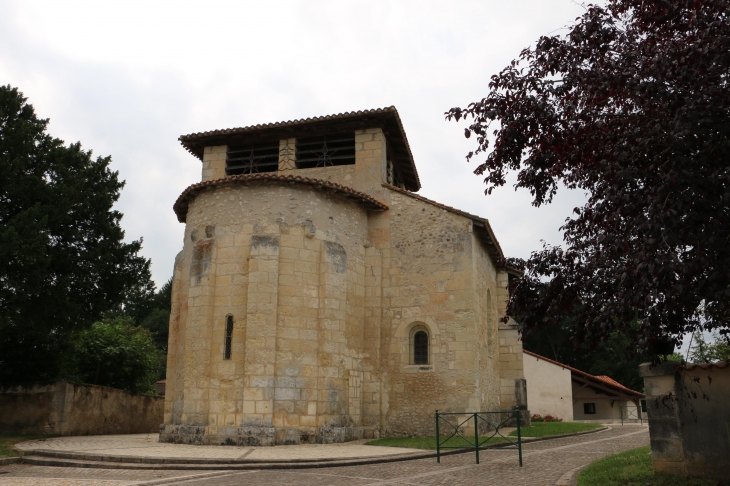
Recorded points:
(611, 381)
(181, 205)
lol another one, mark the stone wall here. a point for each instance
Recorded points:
(437, 276)
(287, 263)
(72, 409)
(214, 162)
(689, 418)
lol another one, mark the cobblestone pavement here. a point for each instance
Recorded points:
(544, 464)
(146, 445)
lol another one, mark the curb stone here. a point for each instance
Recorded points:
(85, 460)
(6, 461)
(570, 478)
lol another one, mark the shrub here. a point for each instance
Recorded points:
(114, 353)
(547, 418)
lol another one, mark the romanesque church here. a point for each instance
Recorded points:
(319, 298)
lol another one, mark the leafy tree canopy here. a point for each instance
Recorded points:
(152, 312)
(708, 352)
(63, 261)
(114, 353)
(156, 315)
(631, 106)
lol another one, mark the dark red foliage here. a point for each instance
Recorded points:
(633, 107)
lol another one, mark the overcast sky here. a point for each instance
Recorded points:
(127, 78)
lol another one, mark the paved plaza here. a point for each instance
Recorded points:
(147, 446)
(548, 462)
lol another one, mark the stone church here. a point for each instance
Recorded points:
(318, 298)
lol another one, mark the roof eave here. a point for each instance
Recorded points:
(183, 201)
(388, 119)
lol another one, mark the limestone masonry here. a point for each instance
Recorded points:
(318, 299)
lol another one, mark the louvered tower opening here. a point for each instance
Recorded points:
(252, 158)
(326, 151)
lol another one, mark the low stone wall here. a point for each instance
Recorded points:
(689, 418)
(255, 436)
(71, 409)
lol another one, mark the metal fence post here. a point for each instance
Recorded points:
(476, 436)
(519, 434)
(438, 439)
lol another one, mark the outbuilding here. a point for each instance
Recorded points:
(554, 388)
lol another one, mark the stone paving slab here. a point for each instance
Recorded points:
(22, 475)
(100, 452)
(545, 463)
(146, 446)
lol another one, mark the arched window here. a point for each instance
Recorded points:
(420, 347)
(229, 337)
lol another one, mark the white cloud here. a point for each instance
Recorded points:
(128, 78)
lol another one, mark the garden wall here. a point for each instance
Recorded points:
(71, 409)
(689, 418)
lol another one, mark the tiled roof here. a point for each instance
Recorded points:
(181, 205)
(610, 381)
(484, 230)
(385, 118)
(603, 379)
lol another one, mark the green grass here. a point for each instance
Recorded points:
(632, 468)
(544, 429)
(8, 440)
(426, 442)
(540, 429)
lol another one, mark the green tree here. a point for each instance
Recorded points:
(152, 312)
(618, 356)
(156, 315)
(63, 261)
(708, 352)
(114, 353)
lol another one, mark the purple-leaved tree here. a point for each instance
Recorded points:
(632, 106)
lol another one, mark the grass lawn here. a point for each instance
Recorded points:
(7, 441)
(426, 442)
(538, 429)
(631, 468)
(544, 429)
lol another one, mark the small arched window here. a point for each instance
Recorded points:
(229, 337)
(420, 348)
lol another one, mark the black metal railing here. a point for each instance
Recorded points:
(631, 413)
(486, 427)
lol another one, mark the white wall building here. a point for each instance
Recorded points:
(557, 389)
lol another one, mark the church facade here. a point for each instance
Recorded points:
(317, 298)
